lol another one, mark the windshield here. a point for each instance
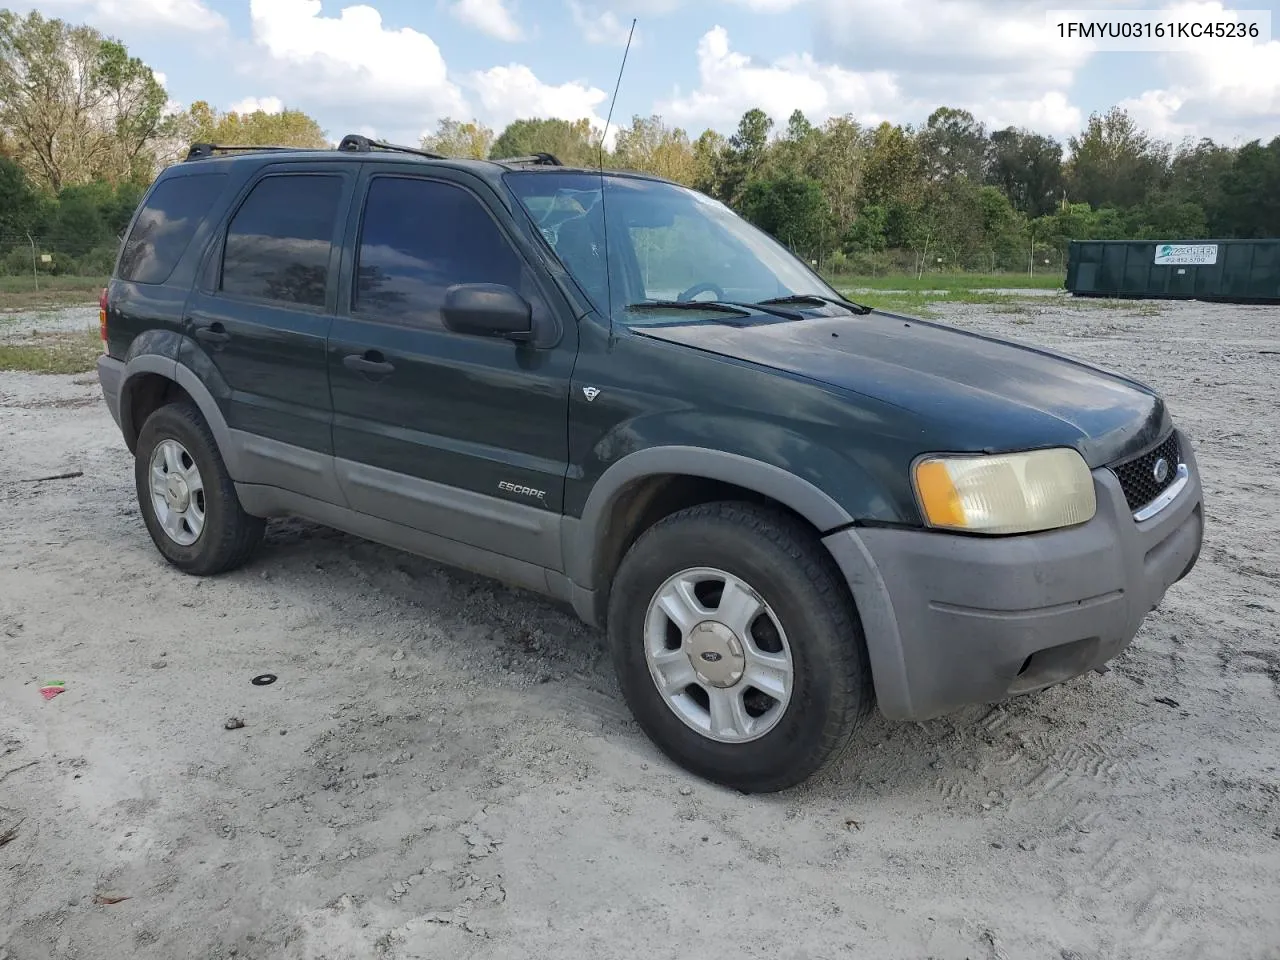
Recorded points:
(666, 243)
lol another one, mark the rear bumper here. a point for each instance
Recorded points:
(111, 376)
(955, 620)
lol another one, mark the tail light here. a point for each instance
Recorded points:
(102, 316)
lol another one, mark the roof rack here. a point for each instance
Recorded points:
(536, 159)
(355, 143)
(202, 151)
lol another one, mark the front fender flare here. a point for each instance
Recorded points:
(583, 537)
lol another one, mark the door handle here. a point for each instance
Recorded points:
(371, 361)
(213, 333)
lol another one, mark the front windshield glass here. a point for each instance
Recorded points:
(666, 243)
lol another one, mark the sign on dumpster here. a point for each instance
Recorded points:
(1186, 254)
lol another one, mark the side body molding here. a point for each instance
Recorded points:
(583, 537)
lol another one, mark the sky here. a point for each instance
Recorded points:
(394, 68)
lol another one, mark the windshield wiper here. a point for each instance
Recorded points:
(727, 306)
(818, 298)
(713, 305)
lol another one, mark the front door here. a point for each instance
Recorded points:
(258, 324)
(460, 436)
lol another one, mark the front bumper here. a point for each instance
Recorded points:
(956, 620)
(110, 376)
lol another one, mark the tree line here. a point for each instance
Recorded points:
(84, 128)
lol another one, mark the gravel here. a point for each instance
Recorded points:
(62, 320)
(516, 810)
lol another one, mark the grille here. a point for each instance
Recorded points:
(1137, 478)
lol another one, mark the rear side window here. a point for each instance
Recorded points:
(166, 224)
(278, 242)
(421, 237)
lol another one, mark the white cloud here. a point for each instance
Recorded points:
(351, 66)
(164, 14)
(659, 8)
(769, 6)
(1051, 114)
(957, 39)
(490, 17)
(1226, 90)
(255, 104)
(598, 25)
(514, 92)
(730, 83)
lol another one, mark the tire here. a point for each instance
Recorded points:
(211, 534)
(807, 618)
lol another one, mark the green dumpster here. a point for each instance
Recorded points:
(1231, 271)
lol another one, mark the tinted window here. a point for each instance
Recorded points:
(278, 242)
(166, 224)
(421, 237)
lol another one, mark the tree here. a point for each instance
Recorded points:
(573, 142)
(1115, 163)
(743, 157)
(951, 222)
(19, 203)
(953, 144)
(74, 103)
(135, 103)
(893, 170)
(1003, 229)
(791, 208)
(1251, 192)
(650, 146)
(453, 138)
(839, 165)
(1166, 220)
(867, 234)
(800, 148)
(1197, 172)
(1027, 167)
(201, 123)
(707, 150)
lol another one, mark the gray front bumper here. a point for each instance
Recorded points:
(956, 620)
(111, 375)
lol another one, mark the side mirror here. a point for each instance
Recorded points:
(487, 310)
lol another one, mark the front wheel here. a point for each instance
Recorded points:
(187, 498)
(737, 646)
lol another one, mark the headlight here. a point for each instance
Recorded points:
(1009, 493)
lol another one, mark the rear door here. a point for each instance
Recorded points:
(260, 319)
(464, 437)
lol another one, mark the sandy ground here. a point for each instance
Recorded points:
(444, 768)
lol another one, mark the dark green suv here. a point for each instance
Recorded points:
(783, 507)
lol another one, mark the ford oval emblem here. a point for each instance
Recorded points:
(712, 657)
(1161, 470)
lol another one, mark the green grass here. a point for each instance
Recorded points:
(20, 293)
(951, 282)
(922, 303)
(52, 352)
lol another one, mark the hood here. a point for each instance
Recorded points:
(943, 372)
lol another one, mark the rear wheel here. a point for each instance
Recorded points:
(188, 501)
(737, 646)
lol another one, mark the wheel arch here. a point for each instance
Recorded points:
(644, 486)
(151, 381)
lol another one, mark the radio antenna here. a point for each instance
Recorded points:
(604, 208)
